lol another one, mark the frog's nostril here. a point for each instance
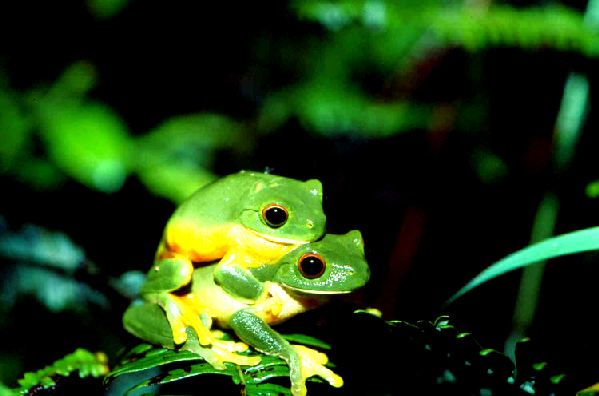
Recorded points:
(310, 224)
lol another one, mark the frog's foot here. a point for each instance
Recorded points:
(231, 346)
(224, 353)
(220, 352)
(274, 303)
(312, 363)
(181, 315)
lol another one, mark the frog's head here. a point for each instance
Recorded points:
(284, 210)
(333, 265)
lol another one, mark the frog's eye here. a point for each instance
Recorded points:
(311, 265)
(275, 215)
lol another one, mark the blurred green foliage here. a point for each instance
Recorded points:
(88, 141)
(81, 362)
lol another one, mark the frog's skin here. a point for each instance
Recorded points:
(259, 297)
(245, 220)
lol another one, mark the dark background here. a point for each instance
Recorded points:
(436, 201)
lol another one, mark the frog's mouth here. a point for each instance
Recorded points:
(315, 292)
(279, 240)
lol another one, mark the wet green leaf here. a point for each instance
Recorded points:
(191, 371)
(150, 358)
(188, 364)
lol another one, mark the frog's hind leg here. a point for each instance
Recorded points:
(148, 322)
(303, 362)
(163, 279)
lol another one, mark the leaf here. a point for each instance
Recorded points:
(590, 391)
(574, 242)
(5, 391)
(266, 390)
(473, 28)
(89, 142)
(269, 367)
(146, 356)
(87, 363)
(149, 359)
(105, 9)
(181, 133)
(196, 369)
(175, 181)
(173, 159)
(15, 130)
(306, 340)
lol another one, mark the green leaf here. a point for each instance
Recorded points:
(306, 340)
(87, 363)
(15, 129)
(196, 369)
(574, 242)
(175, 181)
(173, 159)
(150, 358)
(266, 390)
(105, 9)
(5, 391)
(88, 142)
(188, 364)
(472, 27)
(186, 134)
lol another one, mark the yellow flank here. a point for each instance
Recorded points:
(238, 245)
(198, 244)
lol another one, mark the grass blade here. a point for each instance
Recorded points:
(573, 242)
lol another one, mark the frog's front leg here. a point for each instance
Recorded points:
(238, 282)
(163, 279)
(303, 362)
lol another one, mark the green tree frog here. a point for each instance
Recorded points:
(250, 301)
(245, 220)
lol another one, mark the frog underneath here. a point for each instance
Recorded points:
(305, 278)
(245, 220)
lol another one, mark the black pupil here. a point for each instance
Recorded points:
(276, 216)
(312, 266)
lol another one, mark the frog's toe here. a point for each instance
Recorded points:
(227, 356)
(179, 330)
(299, 389)
(190, 316)
(231, 346)
(313, 364)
